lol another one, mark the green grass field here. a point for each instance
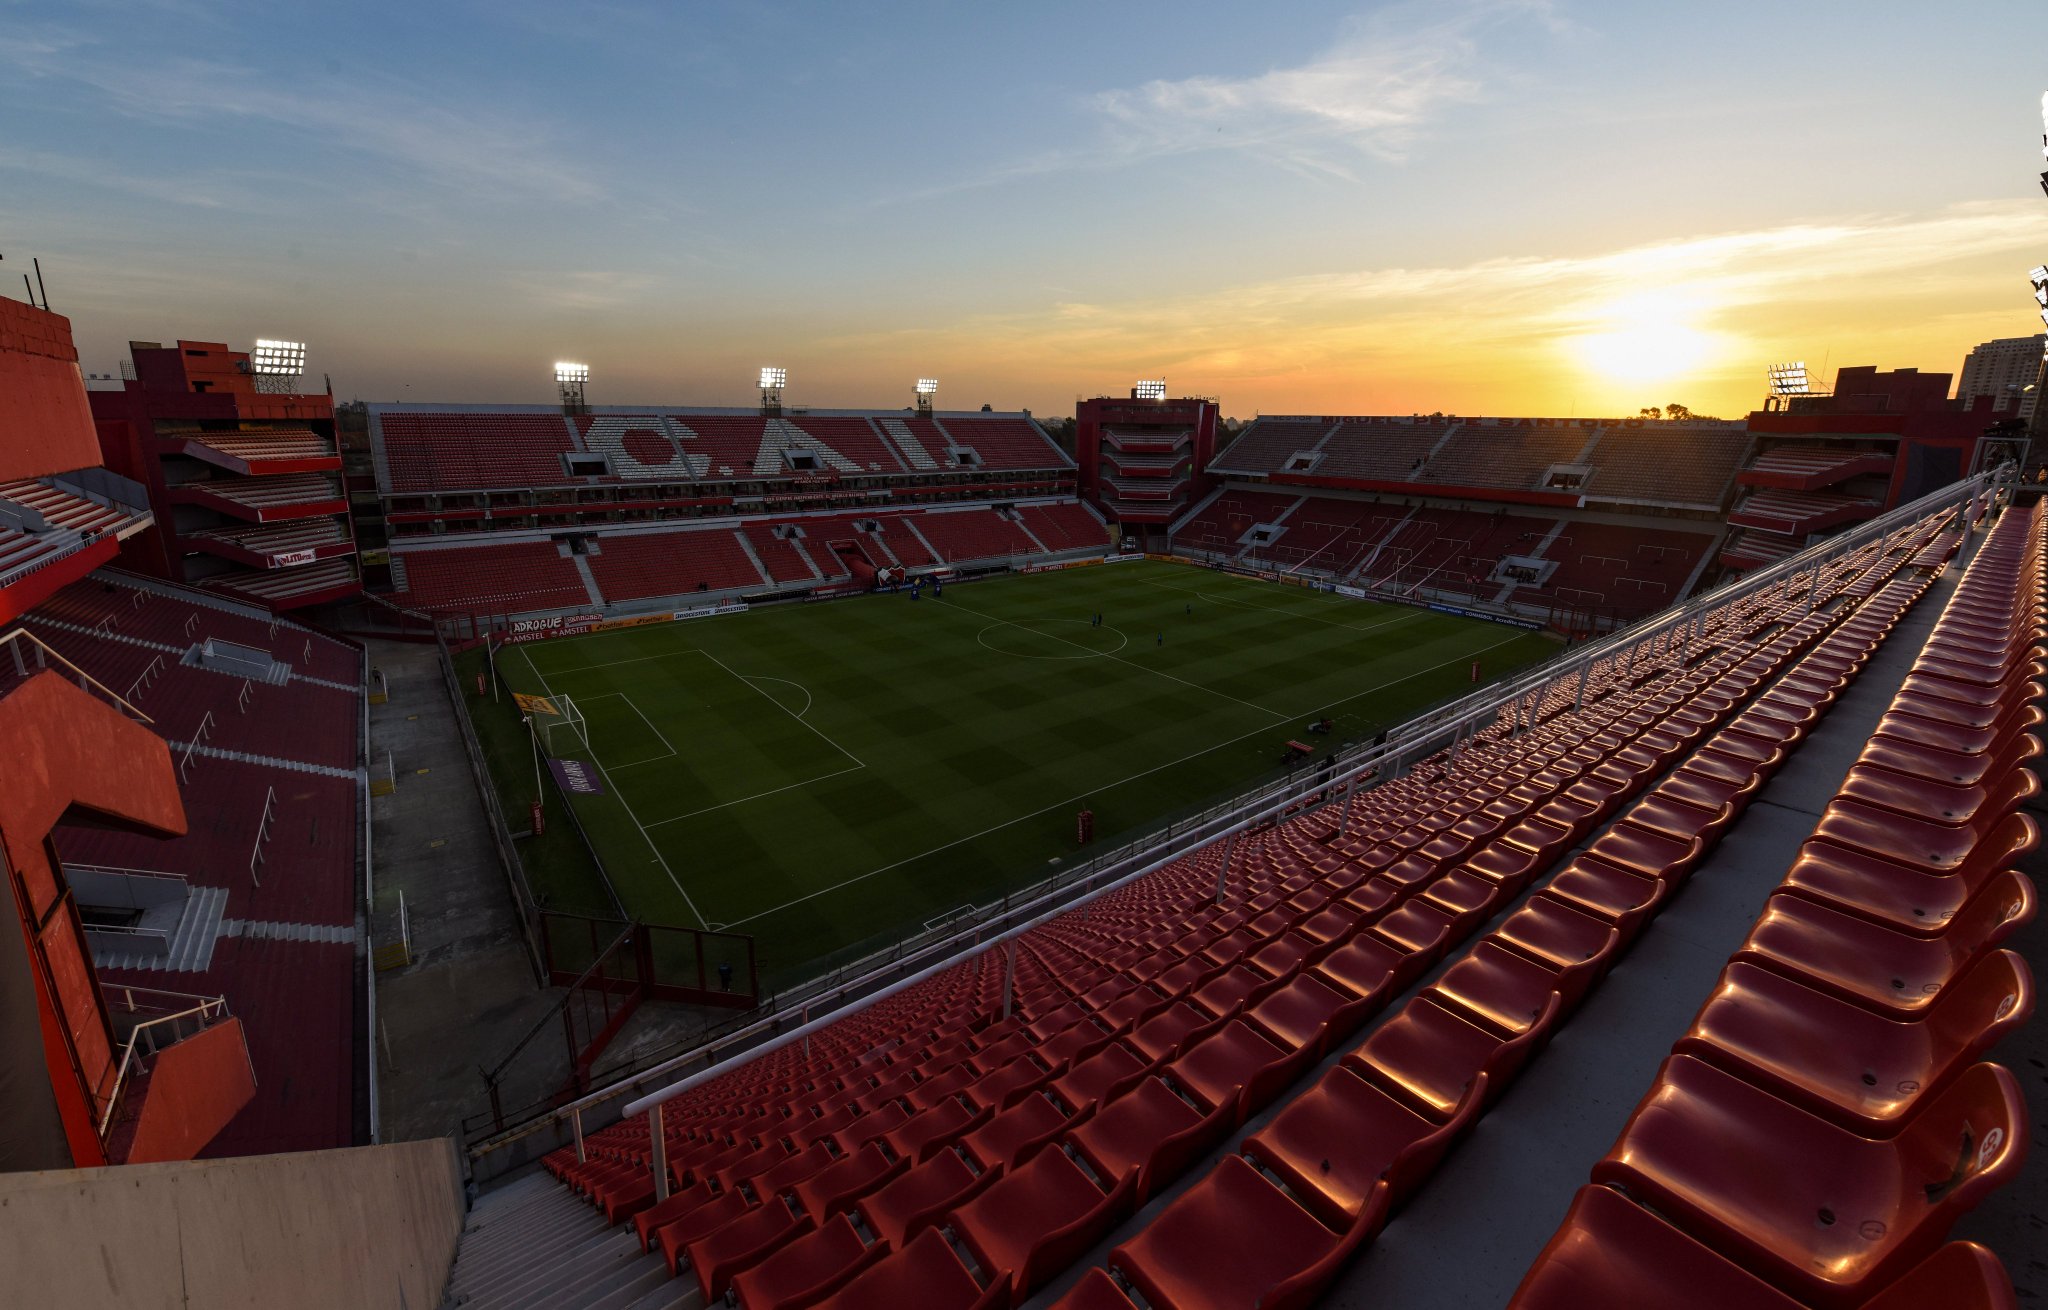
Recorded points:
(829, 777)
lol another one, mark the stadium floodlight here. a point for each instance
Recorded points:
(278, 358)
(1790, 379)
(773, 378)
(927, 386)
(565, 372)
(1149, 389)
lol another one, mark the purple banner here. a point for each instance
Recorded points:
(576, 777)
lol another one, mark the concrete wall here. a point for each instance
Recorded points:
(364, 1227)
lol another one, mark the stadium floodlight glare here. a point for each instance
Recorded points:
(927, 386)
(567, 372)
(1790, 379)
(278, 358)
(773, 378)
(1150, 389)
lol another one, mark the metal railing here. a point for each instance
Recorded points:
(152, 1036)
(1520, 695)
(44, 653)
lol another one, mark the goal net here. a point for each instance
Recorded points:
(563, 731)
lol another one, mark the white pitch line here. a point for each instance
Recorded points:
(610, 664)
(627, 805)
(1285, 613)
(863, 877)
(1276, 715)
(785, 709)
(606, 695)
(758, 795)
(787, 682)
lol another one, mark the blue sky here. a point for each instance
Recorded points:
(1479, 206)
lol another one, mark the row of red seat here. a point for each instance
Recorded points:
(1271, 1225)
(1148, 1023)
(1822, 1125)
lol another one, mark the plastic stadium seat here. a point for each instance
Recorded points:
(1937, 801)
(789, 1171)
(1309, 1013)
(1858, 1068)
(1549, 931)
(709, 1217)
(1930, 847)
(920, 1196)
(1343, 1140)
(1096, 1291)
(1009, 1137)
(1901, 896)
(1877, 966)
(1168, 1032)
(808, 1268)
(1815, 1210)
(1235, 1240)
(1100, 1076)
(1039, 1218)
(1237, 1069)
(836, 1187)
(1507, 990)
(1959, 1276)
(678, 1204)
(1432, 1054)
(927, 1132)
(925, 1273)
(1623, 897)
(1150, 1129)
(746, 1241)
(1611, 1254)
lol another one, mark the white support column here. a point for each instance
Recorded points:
(1009, 975)
(576, 1127)
(1223, 870)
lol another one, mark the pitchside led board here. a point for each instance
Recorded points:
(534, 704)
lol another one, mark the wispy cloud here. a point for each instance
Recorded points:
(1368, 97)
(441, 142)
(1873, 283)
(1369, 94)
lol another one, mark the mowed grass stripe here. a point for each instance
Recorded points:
(979, 734)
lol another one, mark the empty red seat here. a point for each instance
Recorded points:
(1863, 1070)
(1343, 1140)
(1813, 1209)
(836, 1187)
(1100, 1075)
(709, 1217)
(1877, 966)
(1236, 1069)
(924, 1273)
(1039, 1218)
(1309, 1013)
(1507, 990)
(749, 1239)
(1235, 1240)
(1431, 1054)
(1009, 1137)
(1096, 1291)
(807, 1268)
(929, 1131)
(1151, 1130)
(679, 1203)
(918, 1197)
(1612, 1254)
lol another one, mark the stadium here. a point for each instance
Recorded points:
(615, 851)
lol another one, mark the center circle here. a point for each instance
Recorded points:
(1032, 639)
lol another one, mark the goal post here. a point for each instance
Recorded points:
(565, 729)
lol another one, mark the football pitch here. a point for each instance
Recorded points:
(829, 777)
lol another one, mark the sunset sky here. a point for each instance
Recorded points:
(1506, 208)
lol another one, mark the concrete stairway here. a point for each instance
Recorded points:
(533, 1243)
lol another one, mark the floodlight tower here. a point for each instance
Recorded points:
(570, 380)
(773, 379)
(1788, 381)
(926, 389)
(1149, 389)
(278, 365)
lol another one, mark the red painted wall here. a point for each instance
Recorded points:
(45, 420)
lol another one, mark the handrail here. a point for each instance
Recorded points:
(23, 634)
(128, 1057)
(167, 875)
(1362, 764)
